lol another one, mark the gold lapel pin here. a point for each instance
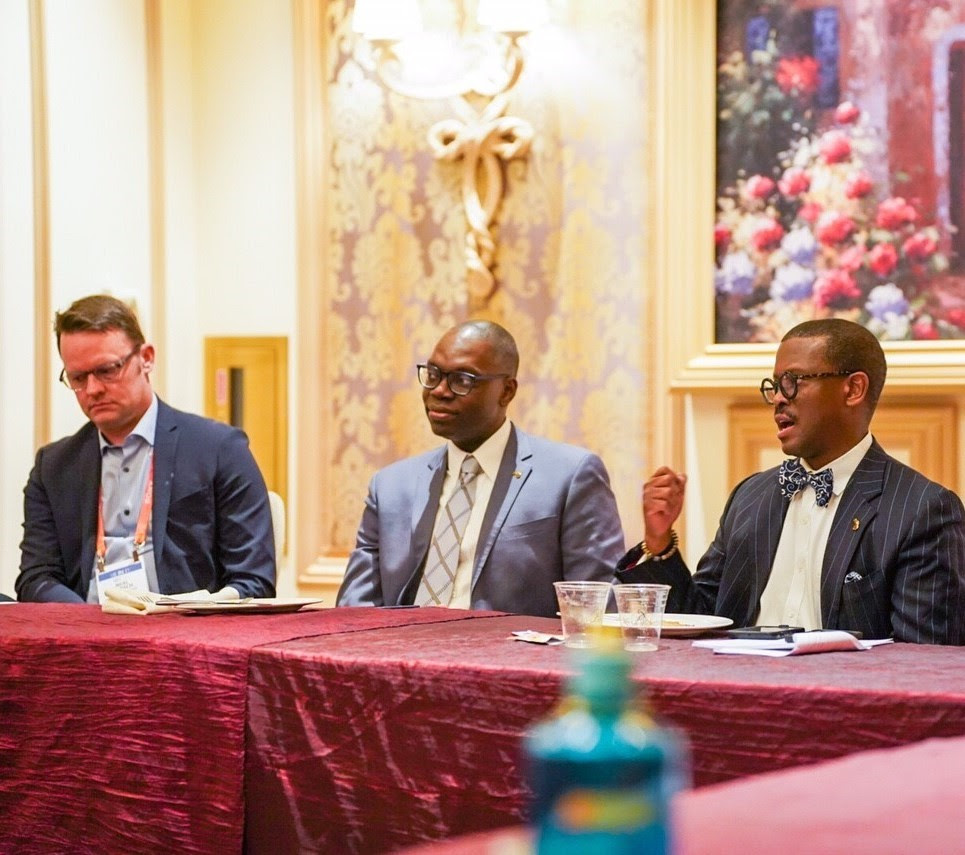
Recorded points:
(855, 524)
(517, 474)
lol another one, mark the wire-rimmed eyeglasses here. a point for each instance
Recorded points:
(77, 381)
(786, 384)
(459, 382)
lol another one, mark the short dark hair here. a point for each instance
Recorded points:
(99, 313)
(500, 340)
(848, 347)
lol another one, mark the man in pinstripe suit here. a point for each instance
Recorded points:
(874, 546)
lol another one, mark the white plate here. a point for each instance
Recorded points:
(680, 625)
(254, 605)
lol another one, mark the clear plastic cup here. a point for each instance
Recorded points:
(582, 605)
(641, 610)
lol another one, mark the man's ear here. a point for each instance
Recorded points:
(147, 357)
(509, 391)
(858, 385)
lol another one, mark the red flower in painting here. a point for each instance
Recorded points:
(858, 185)
(895, 212)
(852, 258)
(833, 227)
(846, 113)
(797, 74)
(920, 247)
(759, 186)
(721, 235)
(767, 233)
(794, 182)
(924, 329)
(835, 290)
(883, 258)
(835, 147)
(957, 317)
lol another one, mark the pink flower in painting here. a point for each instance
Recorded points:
(895, 212)
(809, 212)
(835, 147)
(721, 235)
(835, 289)
(833, 227)
(858, 185)
(883, 258)
(852, 258)
(767, 233)
(794, 181)
(759, 187)
(920, 247)
(924, 330)
(846, 113)
(797, 74)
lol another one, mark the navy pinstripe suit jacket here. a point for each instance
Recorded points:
(899, 571)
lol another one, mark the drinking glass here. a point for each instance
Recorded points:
(641, 610)
(582, 605)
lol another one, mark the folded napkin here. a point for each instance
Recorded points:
(816, 641)
(124, 601)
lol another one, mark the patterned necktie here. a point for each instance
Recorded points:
(793, 477)
(436, 587)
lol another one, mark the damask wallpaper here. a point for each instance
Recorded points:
(569, 263)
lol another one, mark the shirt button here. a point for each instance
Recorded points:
(127, 512)
(127, 468)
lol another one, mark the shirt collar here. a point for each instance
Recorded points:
(146, 428)
(843, 467)
(489, 455)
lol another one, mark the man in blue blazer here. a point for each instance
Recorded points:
(852, 539)
(181, 492)
(541, 511)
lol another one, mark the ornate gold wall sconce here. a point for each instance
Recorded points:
(476, 68)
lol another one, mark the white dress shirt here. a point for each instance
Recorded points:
(793, 592)
(489, 456)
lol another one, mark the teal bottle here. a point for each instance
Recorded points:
(602, 771)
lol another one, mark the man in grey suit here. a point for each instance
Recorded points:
(168, 501)
(852, 539)
(492, 518)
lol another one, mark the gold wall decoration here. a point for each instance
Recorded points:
(571, 255)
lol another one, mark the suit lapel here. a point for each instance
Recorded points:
(87, 473)
(428, 483)
(165, 453)
(514, 470)
(858, 502)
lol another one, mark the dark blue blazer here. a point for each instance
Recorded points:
(894, 563)
(210, 525)
(551, 516)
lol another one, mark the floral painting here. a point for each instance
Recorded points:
(813, 219)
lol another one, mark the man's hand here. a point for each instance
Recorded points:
(663, 499)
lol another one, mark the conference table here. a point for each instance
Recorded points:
(368, 730)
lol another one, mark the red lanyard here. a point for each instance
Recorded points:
(143, 518)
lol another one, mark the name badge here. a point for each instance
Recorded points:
(128, 574)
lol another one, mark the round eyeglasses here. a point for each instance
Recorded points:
(76, 381)
(459, 382)
(786, 384)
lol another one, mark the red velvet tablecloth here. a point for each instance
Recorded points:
(127, 733)
(890, 802)
(373, 741)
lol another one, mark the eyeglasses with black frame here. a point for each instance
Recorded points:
(108, 373)
(786, 384)
(459, 382)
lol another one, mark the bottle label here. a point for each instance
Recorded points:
(603, 810)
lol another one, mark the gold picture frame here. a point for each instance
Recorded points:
(683, 72)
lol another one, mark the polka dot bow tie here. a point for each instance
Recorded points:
(793, 477)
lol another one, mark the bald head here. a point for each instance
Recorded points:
(501, 345)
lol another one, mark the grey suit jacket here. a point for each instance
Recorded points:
(210, 524)
(894, 563)
(557, 519)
